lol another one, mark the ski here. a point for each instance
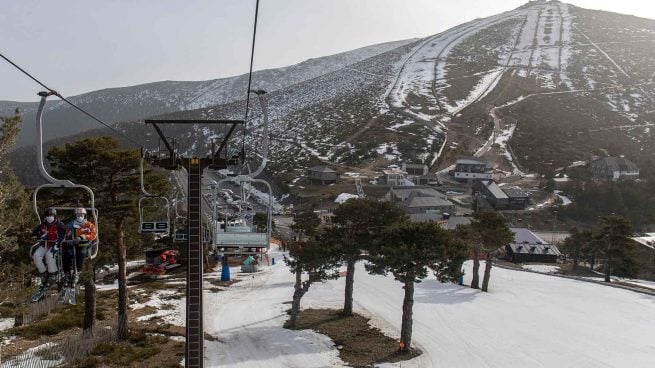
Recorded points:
(63, 294)
(39, 294)
(72, 296)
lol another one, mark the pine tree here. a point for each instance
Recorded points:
(358, 222)
(408, 251)
(112, 173)
(311, 256)
(492, 233)
(616, 246)
(15, 209)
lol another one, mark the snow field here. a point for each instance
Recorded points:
(526, 320)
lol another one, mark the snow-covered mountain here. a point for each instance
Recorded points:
(129, 103)
(532, 90)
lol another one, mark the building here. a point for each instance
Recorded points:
(510, 198)
(528, 247)
(517, 198)
(399, 194)
(613, 169)
(489, 190)
(415, 169)
(427, 179)
(321, 175)
(419, 202)
(472, 168)
(394, 178)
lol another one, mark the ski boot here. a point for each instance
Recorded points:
(63, 294)
(72, 293)
(45, 284)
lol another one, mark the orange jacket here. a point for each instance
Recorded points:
(86, 231)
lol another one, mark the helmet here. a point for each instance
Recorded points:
(80, 211)
(50, 211)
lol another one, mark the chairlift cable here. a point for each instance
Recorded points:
(252, 57)
(68, 101)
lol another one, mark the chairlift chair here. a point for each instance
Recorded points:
(57, 183)
(156, 221)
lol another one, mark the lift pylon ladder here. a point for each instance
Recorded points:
(57, 183)
(218, 160)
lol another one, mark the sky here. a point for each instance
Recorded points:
(78, 46)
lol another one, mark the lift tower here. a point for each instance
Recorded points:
(171, 160)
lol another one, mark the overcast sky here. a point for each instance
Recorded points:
(78, 46)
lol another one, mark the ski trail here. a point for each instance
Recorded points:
(602, 51)
(246, 319)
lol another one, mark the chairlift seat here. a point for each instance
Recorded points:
(236, 240)
(154, 227)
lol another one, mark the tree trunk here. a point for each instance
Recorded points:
(350, 281)
(297, 295)
(475, 281)
(408, 305)
(89, 297)
(122, 283)
(607, 270)
(593, 262)
(487, 273)
(576, 259)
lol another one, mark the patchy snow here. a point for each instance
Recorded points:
(343, 197)
(481, 89)
(541, 268)
(565, 200)
(169, 306)
(404, 123)
(501, 139)
(6, 323)
(426, 63)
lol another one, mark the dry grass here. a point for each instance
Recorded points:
(359, 344)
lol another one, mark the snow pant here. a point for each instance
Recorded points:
(76, 252)
(50, 264)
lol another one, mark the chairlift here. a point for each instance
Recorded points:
(154, 210)
(63, 184)
(236, 237)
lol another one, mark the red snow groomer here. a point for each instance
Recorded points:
(158, 261)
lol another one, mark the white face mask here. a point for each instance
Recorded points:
(80, 219)
(50, 219)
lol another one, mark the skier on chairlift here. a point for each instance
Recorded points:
(51, 232)
(82, 232)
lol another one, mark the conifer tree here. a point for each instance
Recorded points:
(312, 256)
(408, 251)
(358, 222)
(112, 172)
(15, 209)
(492, 233)
(616, 246)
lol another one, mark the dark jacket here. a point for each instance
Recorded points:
(51, 233)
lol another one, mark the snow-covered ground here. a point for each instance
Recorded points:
(526, 320)
(6, 323)
(541, 268)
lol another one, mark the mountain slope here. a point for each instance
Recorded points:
(129, 103)
(532, 90)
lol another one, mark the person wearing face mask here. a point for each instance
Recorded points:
(51, 232)
(82, 232)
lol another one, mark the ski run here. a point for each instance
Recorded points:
(526, 320)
